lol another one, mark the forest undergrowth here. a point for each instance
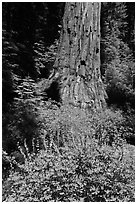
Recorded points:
(64, 153)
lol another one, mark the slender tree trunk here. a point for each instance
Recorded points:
(78, 59)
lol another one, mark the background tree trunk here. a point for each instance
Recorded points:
(78, 59)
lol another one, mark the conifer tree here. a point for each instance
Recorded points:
(78, 59)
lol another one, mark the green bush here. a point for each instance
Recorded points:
(84, 158)
(71, 126)
(91, 176)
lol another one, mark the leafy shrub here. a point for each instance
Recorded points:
(71, 126)
(94, 176)
(84, 158)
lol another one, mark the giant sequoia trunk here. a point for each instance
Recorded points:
(78, 59)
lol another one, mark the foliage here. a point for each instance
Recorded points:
(32, 31)
(70, 125)
(44, 57)
(29, 43)
(94, 175)
(131, 25)
(82, 159)
(21, 122)
(117, 58)
(9, 64)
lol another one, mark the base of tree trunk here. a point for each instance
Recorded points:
(75, 91)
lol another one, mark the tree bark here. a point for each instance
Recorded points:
(78, 59)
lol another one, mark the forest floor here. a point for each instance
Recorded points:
(82, 158)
